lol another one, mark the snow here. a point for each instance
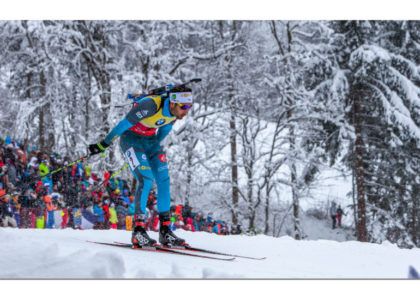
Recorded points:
(65, 254)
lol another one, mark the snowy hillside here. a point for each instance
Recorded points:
(35, 253)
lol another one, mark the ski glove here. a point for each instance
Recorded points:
(98, 148)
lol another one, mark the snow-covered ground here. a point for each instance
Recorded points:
(32, 253)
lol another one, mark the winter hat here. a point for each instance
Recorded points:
(112, 205)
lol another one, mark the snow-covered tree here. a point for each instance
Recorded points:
(375, 79)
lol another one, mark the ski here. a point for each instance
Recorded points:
(189, 248)
(218, 253)
(160, 249)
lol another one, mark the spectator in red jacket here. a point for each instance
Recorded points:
(107, 215)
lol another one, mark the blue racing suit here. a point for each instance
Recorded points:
(141, 132)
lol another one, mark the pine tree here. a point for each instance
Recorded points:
(381, 96)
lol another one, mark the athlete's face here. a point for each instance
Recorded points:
(179, 111)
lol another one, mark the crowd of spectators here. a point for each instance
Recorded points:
(35, 193)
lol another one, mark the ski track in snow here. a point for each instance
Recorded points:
(32, 253)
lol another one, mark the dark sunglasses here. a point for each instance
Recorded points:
(183, 106)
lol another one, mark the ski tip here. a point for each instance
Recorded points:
(248, 257)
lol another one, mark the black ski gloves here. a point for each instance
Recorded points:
(98, 148)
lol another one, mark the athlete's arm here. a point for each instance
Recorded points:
(144, 109)
(164, 131)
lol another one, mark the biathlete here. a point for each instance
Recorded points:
(141, 132)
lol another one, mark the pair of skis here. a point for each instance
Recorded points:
(184, 250)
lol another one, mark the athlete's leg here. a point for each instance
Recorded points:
(161, 174)
(141, 169)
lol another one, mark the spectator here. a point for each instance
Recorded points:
(153, 220)
(16, 207)
(173, 220)
(107, 215)
(44, 170)
(77, 217)
(178, 212)
(209, 219)
(131, 207)
(83, 198)
(7, 212)
(25, 209)
(113, 219)
(122, 212)
(99, 213)
(186, 212)
(50, 211)
(21, 153)
(210, 226)
(189, 224)
(3, 177)
(199, 222)
(64, 217)
(10, 156)
(71, 195)
(89, 207)
(34, 163)
(340, 213)
(236, 229)
(179, 223)
(217, 227)
(79, 187)
(333, 214)
(125, 196)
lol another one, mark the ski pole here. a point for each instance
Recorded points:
(60, 169)
(112, 176)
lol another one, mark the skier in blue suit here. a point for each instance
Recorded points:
(141, 132)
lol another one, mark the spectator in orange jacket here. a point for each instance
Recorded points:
(50, 211)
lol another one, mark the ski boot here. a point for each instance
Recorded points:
(166, 236)
(140, 238)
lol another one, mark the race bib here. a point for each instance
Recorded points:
(132, 158)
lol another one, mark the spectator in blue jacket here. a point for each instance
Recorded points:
(99, 213)
(125, 196)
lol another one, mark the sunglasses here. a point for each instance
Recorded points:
(183, 106)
